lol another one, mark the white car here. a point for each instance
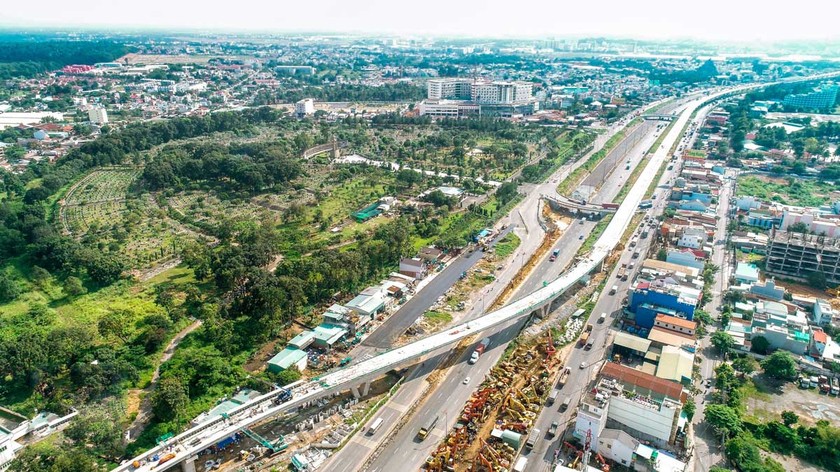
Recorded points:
(583, 365)
(466, 380)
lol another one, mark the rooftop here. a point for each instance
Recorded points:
(628, 375)
(677, 321)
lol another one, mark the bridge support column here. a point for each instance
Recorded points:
(365, 388)
(355, 391)
(188, 465)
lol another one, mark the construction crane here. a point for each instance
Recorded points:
(587, 447)
(277, 446)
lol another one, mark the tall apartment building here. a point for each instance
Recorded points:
(821, 98)
(634, 401)
(449, 89)
(304, 107)
(797, 255)
(98, 115)
(480, 91)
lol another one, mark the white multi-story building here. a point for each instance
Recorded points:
(98, 115)
(305, 107)
(480, 91)
(448, 108)
(632, 399)
(452, 89)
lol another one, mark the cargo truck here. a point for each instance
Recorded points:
(613, 289)
(425, 430)
(584, 337)
(563, 376)
(479, 350)
(835, 386)
(532, 439)
(622, 272)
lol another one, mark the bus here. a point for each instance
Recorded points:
(375, 426)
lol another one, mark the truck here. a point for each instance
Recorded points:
(622, 272)
(825, 386)
(835, 386)
(610, 206)
(613, 289)
(584, 337)
(646, 204)
(552, 397)
(552, 430)
(563, 376)
(532, 439)
(425, 430)
(565, 405)
(520, 464)
(479, 350)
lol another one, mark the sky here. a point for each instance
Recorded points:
(718, 20)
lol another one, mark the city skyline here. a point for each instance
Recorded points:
(656, 19)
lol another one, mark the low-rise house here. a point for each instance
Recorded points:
(288, 358)
(413, 267)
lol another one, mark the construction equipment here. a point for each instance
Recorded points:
(277, 446)
(549, 347)
(604, 466)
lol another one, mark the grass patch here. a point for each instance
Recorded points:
(789, 191)
(507, 245)
(437, 318)
(596, 233)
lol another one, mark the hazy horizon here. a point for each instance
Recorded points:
(716, 20)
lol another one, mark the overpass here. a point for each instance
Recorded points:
(570, 204)
(184, 448)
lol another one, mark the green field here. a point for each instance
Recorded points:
(792, 191)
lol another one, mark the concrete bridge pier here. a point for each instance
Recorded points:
(188, 465)
(365, 389)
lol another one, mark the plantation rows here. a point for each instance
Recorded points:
(101, 212)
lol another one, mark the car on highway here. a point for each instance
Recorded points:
(466, 380)
(583, 365)
(580, 237)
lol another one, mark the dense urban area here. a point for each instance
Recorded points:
(333, 252)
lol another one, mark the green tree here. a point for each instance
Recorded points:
(170, 399)
(661, 254)
(690, 408)
(287, 376)
(817, 280)
(760, 345)
(780, 365)
(9, 288)
(99, 425)
(74, 287)
(725, 420)
(114, 325)
(789, 418)
(745, 364)
(723, 341)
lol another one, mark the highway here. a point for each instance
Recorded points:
(186, 445)
(541, 457)
(405, 451)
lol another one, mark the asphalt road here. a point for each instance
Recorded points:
(396, 324)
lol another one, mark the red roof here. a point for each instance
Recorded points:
(820, 336)
(641, 379)
(676, 321)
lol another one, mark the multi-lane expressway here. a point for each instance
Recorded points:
(183, 449)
